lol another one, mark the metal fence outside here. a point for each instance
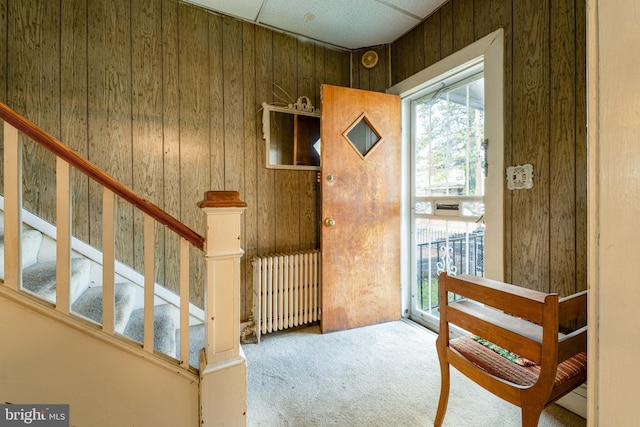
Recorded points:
(460, 253)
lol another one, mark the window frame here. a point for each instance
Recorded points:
(490, 50)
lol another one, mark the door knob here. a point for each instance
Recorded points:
(329, 222)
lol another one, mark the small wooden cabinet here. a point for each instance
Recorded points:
(292, 137)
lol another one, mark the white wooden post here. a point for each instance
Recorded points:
(223, 373)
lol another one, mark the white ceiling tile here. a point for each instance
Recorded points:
(245, 9)
(350, 24)
(347, 23)
(420, 8)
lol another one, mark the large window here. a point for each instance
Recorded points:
(452, 212)
(448, 171)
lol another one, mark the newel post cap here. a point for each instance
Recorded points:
(222, 199)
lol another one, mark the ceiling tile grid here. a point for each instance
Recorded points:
(349, 24)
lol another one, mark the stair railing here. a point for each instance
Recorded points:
(65, 160)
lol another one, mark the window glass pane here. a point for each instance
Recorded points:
(423, 208)
(472, 209)
(441, 245)
(449, 132)
(363, 137)
(449, 161)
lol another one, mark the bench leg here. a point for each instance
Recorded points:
(531, 416)
(444, 393)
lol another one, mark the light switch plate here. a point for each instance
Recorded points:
(520, 177)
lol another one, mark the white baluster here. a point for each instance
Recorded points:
(12, 208)
(63, 235)
(184, 302)
(149, 281)
(108, 261)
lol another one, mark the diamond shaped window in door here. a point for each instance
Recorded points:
(362, 135)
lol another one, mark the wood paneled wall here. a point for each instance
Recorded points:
(545, 124)
(166, 97)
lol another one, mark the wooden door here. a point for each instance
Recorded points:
(360, 238)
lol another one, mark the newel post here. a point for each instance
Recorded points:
(223, 373)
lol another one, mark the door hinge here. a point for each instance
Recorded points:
(485, 164)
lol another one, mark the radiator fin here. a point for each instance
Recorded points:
(286, 290)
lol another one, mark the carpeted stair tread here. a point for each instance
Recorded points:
(89, 304)
(31, 240)
(164, 328)
(40, 278)
(196, 343)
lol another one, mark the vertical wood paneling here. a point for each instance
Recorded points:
(357, 79)
(165, 97)
(35, 62)
(309, 194)
(482, 22)
(410, 52)
(287, 231)
(233, 108)
(251, 165)
(530, 238)
(562, 161)
(544, 124)
(266, 177)
(419, 58)
(337, 66)
(432, 42)
(74, 74)
(463, 30)
(171, 184)
(73, 104)
(446, 29)
(307, 191)
(217, 102)
(320, 58)
(380, 73)
(287, 188)
(306, 69)
(581, 145)
(216, 80)
(50, 46)
(194, 114)
(109, 93)
(146, 49)
(287, 191)
(401, 58)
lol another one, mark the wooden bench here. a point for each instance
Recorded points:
(521, 321)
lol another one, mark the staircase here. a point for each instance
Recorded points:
(131, 361)
(39, 279)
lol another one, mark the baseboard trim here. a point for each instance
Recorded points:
(576, 401)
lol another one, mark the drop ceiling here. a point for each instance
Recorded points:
(349, 24)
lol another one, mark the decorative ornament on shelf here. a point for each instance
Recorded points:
(369, 59)
(303, 104)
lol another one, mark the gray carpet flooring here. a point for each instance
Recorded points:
(377, 376)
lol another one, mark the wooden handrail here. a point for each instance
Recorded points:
(98, 175)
